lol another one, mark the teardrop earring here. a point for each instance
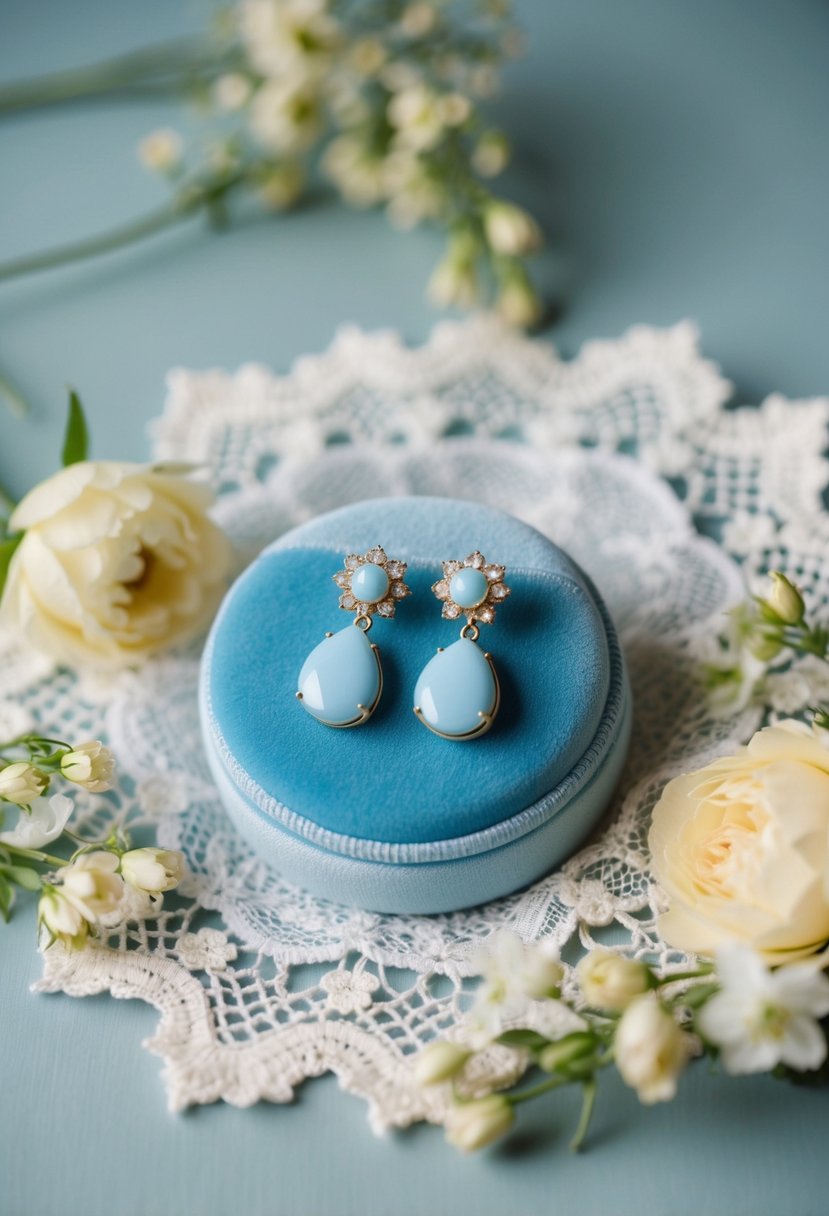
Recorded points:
(457, 694)
(341, 680)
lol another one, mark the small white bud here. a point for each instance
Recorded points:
(418, 19)
(439, 1062)
(281, 187)
(232, 92)
(490, 155)
(161, 151)
(510, 230)
(650, 1049)
(518, 303)
(21, 783)
(152, 870)
(609, 981)
(60, 920)
(473, 1125)
(90, 765)
(785, 600)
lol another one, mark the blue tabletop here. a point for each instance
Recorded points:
(676, 154)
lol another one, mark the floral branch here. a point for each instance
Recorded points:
(101, 882)
(764, 633)
(625, 1015)
(382, 97)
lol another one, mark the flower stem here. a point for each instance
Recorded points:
(36, 855)
(165, 67)
(116, 238)
(17, 404)
(535, 1091)
(7, 503)
(589, 1091)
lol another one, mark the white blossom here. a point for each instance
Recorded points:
(90, 765)
(285, 114)
(22, 783)
(416, 115)
(514, 974)
(359, 175)
(518, 303)
(473, 1125)
(785, 599)
(418, 19)
(161, 151)
(232, 92)
(439, 1062)
(41, 824)
(152, 870)
(282, 186)
(650, 1049)
(490, 155)
(59, 919)
(609, 981)
(454, 284)
(92, 885)
(761, 1018)
(511, 230)
(288, 36)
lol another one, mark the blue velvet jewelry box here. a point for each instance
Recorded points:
(389, 816)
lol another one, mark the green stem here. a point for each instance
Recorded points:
(705, 969)
(589, 1091)
(36, 855)
(181, 60)
(17, 404)
(116, 238)
(7, 503)
(535, 1091)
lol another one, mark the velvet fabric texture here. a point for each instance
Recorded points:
(390, 793)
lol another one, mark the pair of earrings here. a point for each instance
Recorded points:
(457, 694)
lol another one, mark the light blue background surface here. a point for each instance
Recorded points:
(677, 155)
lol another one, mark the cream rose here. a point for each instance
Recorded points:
(118, 561)
(742, 848)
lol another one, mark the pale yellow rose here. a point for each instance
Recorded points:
(741, 848)
(118, 561)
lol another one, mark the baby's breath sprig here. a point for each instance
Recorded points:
(383, 97)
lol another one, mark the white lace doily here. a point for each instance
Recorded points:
(624, 457)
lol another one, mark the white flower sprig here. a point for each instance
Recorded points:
(735, 1010)
(383, 98)
(763, 634)
(102, 882)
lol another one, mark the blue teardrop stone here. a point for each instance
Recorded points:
(455, 689)
(340, 675)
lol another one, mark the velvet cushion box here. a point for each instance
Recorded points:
(389, 816)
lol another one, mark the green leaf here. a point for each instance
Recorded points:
(24, 876)
(7, 548)
(6, 898)
(76, 435)
(522, 1038)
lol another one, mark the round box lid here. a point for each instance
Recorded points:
(391, 780)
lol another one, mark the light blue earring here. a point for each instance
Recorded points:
(341, 680)
(458, 694)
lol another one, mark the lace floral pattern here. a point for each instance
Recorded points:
(627, 458)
